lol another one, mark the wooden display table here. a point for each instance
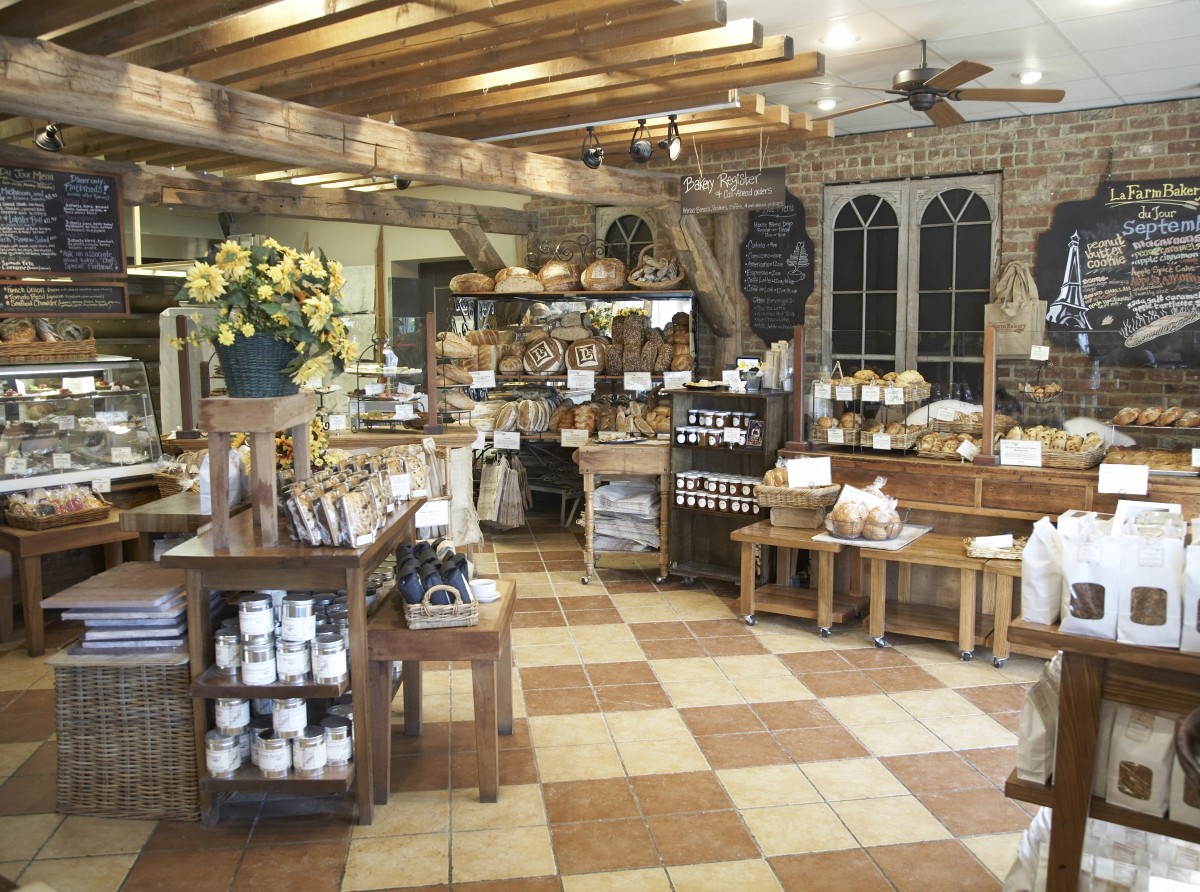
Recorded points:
(1095, 669)
(28, 547)
(822, 604)
(487, 645)
(926, 621)
(179, 513)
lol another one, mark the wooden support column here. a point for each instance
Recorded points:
(729, 230)
(476, 247)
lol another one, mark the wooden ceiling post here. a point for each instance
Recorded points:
(476, 247)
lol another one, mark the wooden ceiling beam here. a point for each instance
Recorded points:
(797, 132)
(147, 23)
(40, 79)
(35, 18)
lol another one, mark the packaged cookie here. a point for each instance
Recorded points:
(329, 516)
(1091, 572)
(1150, 595)
(357, 521)
(1139, 759)
(415, 467)
(304, 516)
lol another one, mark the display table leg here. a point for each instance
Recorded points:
(487, 748)
(31, 602)
(6, 596)
(878, 571)
(966, 610)
(746, 603)
(410, 672)
(824, 588)
(379, 689)
(504, 688)
(1003, 615)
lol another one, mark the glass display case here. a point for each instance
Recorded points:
(75, 422)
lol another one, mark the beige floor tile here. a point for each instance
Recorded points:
(514, 543)
(996, 851)
(655, 757)
(656, 613)
(421, 811)
(518, 805)
(796, 829)
(558, 635)
(690, 598)
(11, 870)
(546, 655)
(77, 836)
(568, 730)
(646, 724)
(624, 600)
(13, 755)
(848, 635)
(603, 633)
(502, 854)
(688, 669)
(853, 779)
(763, 786)
(1021, 669)
(44, 683)
(898, 738)
(525, 579)
(22, 671)
(891, 821)
(925, 652)
(652, 879)
(966, 675)
(752, 666)
(927, 704)
(967, 732)
(610, 651)
(397, 861)
(772, 688)
(790, 642)
(435, 708)
(710, 692)
(534, 589)
(98, 873)
(693, 612)
(22, 836)
(568, 763)
(745, 876)
(866, 709)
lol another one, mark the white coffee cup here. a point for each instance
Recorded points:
(484, 590)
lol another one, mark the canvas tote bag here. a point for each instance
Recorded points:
(1019, 317)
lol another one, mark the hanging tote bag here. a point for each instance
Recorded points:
(1016, 312)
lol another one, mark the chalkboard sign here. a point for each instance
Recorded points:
(733, 190)
(59, 221)
(1126, 261)
(777, 274)
(63, 299)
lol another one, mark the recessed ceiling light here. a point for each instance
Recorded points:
(1032, 76)
(838, 36)
(827, 103)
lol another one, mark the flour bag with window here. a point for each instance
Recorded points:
(1091, 576)
(1150, 595)
(1140, 759)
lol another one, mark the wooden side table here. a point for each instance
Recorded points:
(487, 645)
(28, 547)
(179, 513)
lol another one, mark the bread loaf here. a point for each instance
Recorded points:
(467, 283)
(662, 358)
(681, 362)
(519, 285)
(649, 357)
(506, 418)
(450, 374)
(487, 357)
(558, 275)
(617, 329)
(453, 345)
(606, 418)
(484, 336)
(585, 417)
(587, 355)
(543, 356)
(604, 274)
(614, 358)
(563, 416)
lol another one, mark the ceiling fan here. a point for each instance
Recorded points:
(931, 90)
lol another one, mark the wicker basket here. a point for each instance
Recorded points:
(53, 521)
(1075, 461)
(802, 497)
(426, 615)
(49, 351)
(186, 467)
(899, 441)
(125, 739)
(821, 435)
(940, 455)
(1006, 554)
(657, 250)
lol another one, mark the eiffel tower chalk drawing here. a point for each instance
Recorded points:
(1068, 309)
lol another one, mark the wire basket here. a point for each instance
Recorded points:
(658, 251)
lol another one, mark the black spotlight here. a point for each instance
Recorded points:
(640, 147)
(399, 183)
(672, 143)
(49, 138)
(591, 152)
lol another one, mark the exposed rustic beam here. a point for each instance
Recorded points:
(801, 127)
(476, 247)
(146, 23)
(696, 256)
(40, 79)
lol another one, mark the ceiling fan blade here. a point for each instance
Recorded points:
(1013, 95)
(858, 108)
(943, 114)
(957, 75)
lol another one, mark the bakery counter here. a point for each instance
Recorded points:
(452, 436)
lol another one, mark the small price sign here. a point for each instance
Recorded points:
(1021, 453)
(1039, 353)
(15, 464)
(734, 435)
(893, 396)
(822, 390)
(404, 411)
(507, 439)
(581, 379)
(80, 385)
(122, 455)
(836, 435)
(405, 389)
(60, 461)
(637, 381)
(66, 422)
(676, 380)
(485, 380)
(967, 450)
(434, 513)
(102, 484)
(881, 441)
(843, 392)
(872, 393)
(338, 422)
(373, 389)
(1124, 479)
(571, 437)
(401, 485)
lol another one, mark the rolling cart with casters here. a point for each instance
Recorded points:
(615, 461)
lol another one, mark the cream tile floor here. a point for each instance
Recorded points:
(661, 744)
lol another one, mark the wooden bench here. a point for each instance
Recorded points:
(998, 576)
(488, 647)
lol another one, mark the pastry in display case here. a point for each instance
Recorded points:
(74, 422)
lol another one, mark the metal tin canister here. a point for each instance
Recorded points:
(262, 706)
(259, 725)
(329, 659)
(309, 753)
(227, 651)
(274, 755)
(258, 662)
(221, 754)
(298, 617)
(256, 614)
(232, 714)
(344, 711)
(289, 716)
(339, 739)
(292, 661)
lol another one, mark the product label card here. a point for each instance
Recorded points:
(967, 450)
(676, 380)
(1129, 480)
(66, 422)
(809, 472)
(434, 513)
(405, 389)
(102, 484)
(507, 439)
(893, 396)
(401, 484)
(581, 379)
(732, 378)
(571, 437)
(1004, 540)
(15, 464)
(338, 422)
(637, 381)
(112, 417)
(485, 380)
(373, 389)
(822, 390)
(1150, 556)
(872, 393)
(836, 435)
(1021, 453)
(60, 461)
(80, 385)
(1039, 352)
(946, 414)
(881, 441)
(404, 411)
(733, 435)
(843, 392)
(122, 455)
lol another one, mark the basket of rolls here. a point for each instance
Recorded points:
(1059, 448)
(774, 492)
(842, 430)
(865, 514)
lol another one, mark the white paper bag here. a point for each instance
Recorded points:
(1039, 726)
(1185, 798)
(1190, 640)
(1139, 762)
(1091, 579)
(1150, 595)
(1041, 575)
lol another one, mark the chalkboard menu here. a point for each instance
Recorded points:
(1125, 261)
(60, 222)
(777, 274)
(63, 299)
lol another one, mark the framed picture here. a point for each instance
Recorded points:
(754, 433)
(746, 363)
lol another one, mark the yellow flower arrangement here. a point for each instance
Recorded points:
(318, 445)
(276, 290)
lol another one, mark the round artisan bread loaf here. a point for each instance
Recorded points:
(543, 355)
(468, 283)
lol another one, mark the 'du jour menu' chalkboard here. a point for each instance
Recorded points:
(60, 222)
(777, 272)
(1126, 261)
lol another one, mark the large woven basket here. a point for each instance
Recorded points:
(185, 467)
(1076, 461)
(821, 435)
(427, 615)
(253, 367)
(801, 497)
(53, 521)
(657, 250)
(49, 351)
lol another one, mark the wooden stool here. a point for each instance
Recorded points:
(927, 621)
(28, 547)
(998, 576)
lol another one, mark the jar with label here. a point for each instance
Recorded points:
(680, 497)
(712, 437)
(693, 416)
(722, 420)
(329, 659)
(746, 487)
(256, 615)
(221, 754)
(723, 485)
(227, 651)
(258, 661)
(274, 755)
(693, 436)
(737, 419)
(707, 417)
(289, 716)
(691, 500)
(292, 661)
(309, 754)
(692, 481)
(681, 435)
(723, 503)
(231, 714)
(680, 477)
(299, 620)
(339, 739)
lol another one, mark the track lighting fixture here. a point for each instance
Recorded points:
(49, 138)
(671, 142)
(640, 147)
(591, 152)
(399, 183)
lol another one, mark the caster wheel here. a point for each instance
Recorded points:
(660, 580)
(998, 663)
(689, 581)
(586, 579)
(752, 620)
(825, 633)
(967, 656)
(880, 642)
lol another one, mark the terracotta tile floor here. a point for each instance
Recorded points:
(660, 744)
